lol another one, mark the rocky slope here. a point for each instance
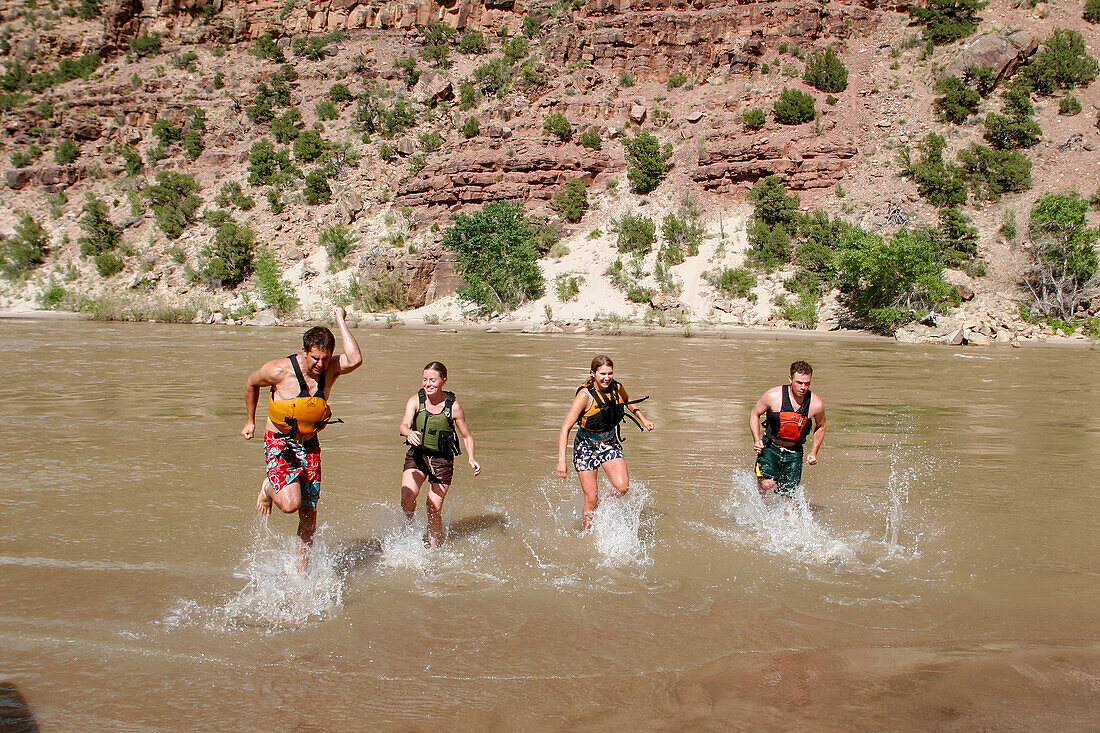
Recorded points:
(685, 71)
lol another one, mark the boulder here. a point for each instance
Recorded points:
(82, 126)
(638, 114)
(1001, 50)
(432, 88)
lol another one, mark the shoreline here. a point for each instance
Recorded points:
(386, 321)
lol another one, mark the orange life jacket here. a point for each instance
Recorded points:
(790, 424)
(303, 415)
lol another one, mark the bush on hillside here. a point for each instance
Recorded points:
(947, 20)
(174, 201)
(753, 119)
(993, 173)
(794, 107)
(571, 200)
(25, 249)
(1062, 274)
(647, 161)
(497, 256)
(637, 234)
(957, 102)
(825, 71)
(1062, 63)
(230, 256)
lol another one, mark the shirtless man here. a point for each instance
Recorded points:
(298, 409)
(788, 411)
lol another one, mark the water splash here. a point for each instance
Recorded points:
(787, 527)
(618, 526)
(403, 547)
(275, 597)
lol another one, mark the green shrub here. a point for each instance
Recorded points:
(957, 101)
(174, 201)
(409, 73)
(493, 77)
(1092, 11)
(24, 249)
(496, 255)
(1062, 272)
(267, 166)
(753, 119)
(266, 48)
(515, 49)
(438, 38)
(109, 263)
(794, 107)
(314, 48)
(146, 45)
(232, 193)
(1004, 133)
(591, 139)
(185, 60)
(131, 159)
(676, 81)
(1069, 106)
(326, 110)
(802, 312)
(571, 200)
(266, 100)
(947, 20)
(338, 242)
(626, 79)
(556, 124)
(942, 184)
(316, 190)
(647, 161)
(467, 96)
(981, 79)
(995, 172)
(637, 234)
(53, 296)
(230, 257)
(308, 146)
(67, 152)
(287, 126)
(825, 71)
(769, 246)
(101, 234)
(23, 158)
(682, 236)
(273, 290)
(568, 287)
(192, 142)
(773, 203)
(473, 42)
(956, 237)
(733, 282)
(889, 282)
(1062, 63)
(397, 118)
(386, 152)
(431, 141)
(417, 163)
(275, 201)
(531, 26)
(471, 127)
(339, 93)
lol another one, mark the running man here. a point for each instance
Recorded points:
(787, 411)
(296, 411)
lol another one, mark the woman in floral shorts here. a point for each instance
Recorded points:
(598, 407)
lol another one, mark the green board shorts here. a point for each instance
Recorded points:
(782, 466)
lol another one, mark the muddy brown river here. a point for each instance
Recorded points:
(942, 571)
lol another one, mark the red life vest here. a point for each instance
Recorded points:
(790, 424)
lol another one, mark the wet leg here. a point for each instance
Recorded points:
(591, 495)
(436, 494)
(411, 481)
(617, 471)
(263, 499)
(307, 525)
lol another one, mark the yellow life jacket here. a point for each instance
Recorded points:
(601, 420)
(303, 415)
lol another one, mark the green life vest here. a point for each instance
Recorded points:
(437, 432)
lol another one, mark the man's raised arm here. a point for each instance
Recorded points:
(351, 358)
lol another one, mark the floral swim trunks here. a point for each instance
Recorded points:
(589, 455)
(290, 460)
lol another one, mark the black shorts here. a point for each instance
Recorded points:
(438, 469)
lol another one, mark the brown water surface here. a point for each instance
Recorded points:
(943, 574)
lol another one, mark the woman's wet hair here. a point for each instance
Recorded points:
(600, 361)
(319, 337)
(437, 366)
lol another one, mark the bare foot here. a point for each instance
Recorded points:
(263, 501)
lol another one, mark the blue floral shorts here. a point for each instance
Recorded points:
(589, 455)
